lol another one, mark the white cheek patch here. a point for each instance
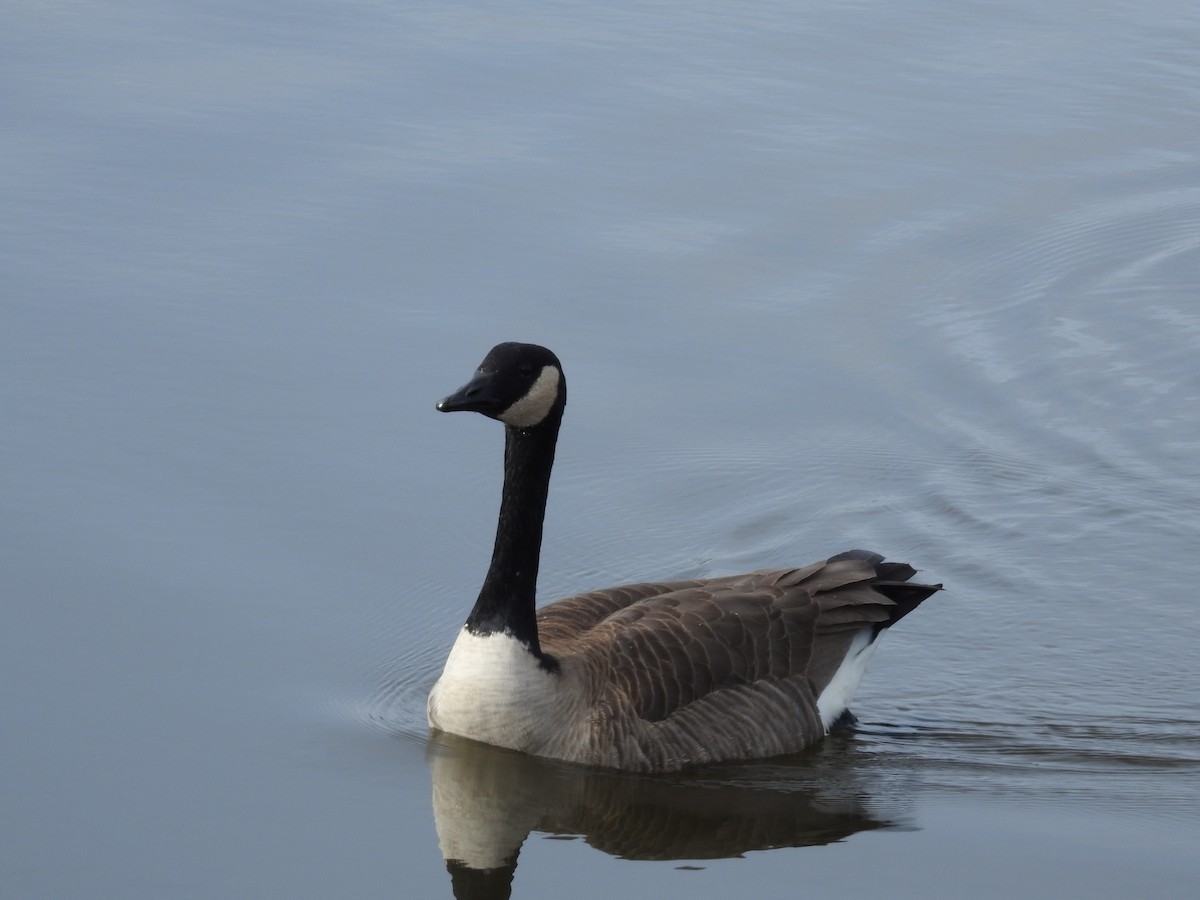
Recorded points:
(537, 402)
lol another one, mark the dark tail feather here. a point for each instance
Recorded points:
(891, 581)
(884, 571)
(873, 558)
(907, 597)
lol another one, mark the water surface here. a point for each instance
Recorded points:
(917, 277)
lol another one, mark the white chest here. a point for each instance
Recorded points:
(493, 690)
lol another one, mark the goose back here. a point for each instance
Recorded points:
(686, 672)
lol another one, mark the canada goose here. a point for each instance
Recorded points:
(647, 677)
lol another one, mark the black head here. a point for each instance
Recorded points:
(521, 385)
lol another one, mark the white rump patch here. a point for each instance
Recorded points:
(836, 697)
(537, 402)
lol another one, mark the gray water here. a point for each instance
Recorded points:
(918, 277)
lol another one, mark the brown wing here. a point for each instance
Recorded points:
(565, 620)
(670, 650)
(731, 667)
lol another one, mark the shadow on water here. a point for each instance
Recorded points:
(487, 801)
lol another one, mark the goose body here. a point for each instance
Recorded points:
(656, 676)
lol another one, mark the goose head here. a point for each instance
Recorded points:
(521, 385)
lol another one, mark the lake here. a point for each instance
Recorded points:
(919, 277)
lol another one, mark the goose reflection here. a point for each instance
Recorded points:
(487, 800)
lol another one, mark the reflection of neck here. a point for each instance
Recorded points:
(508, 597)
(493, 884)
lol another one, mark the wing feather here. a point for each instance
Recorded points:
(694, 670)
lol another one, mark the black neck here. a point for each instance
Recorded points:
(508, 597)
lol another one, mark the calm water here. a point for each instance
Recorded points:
(917, 276)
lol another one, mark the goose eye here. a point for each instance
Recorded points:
(525, 368)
